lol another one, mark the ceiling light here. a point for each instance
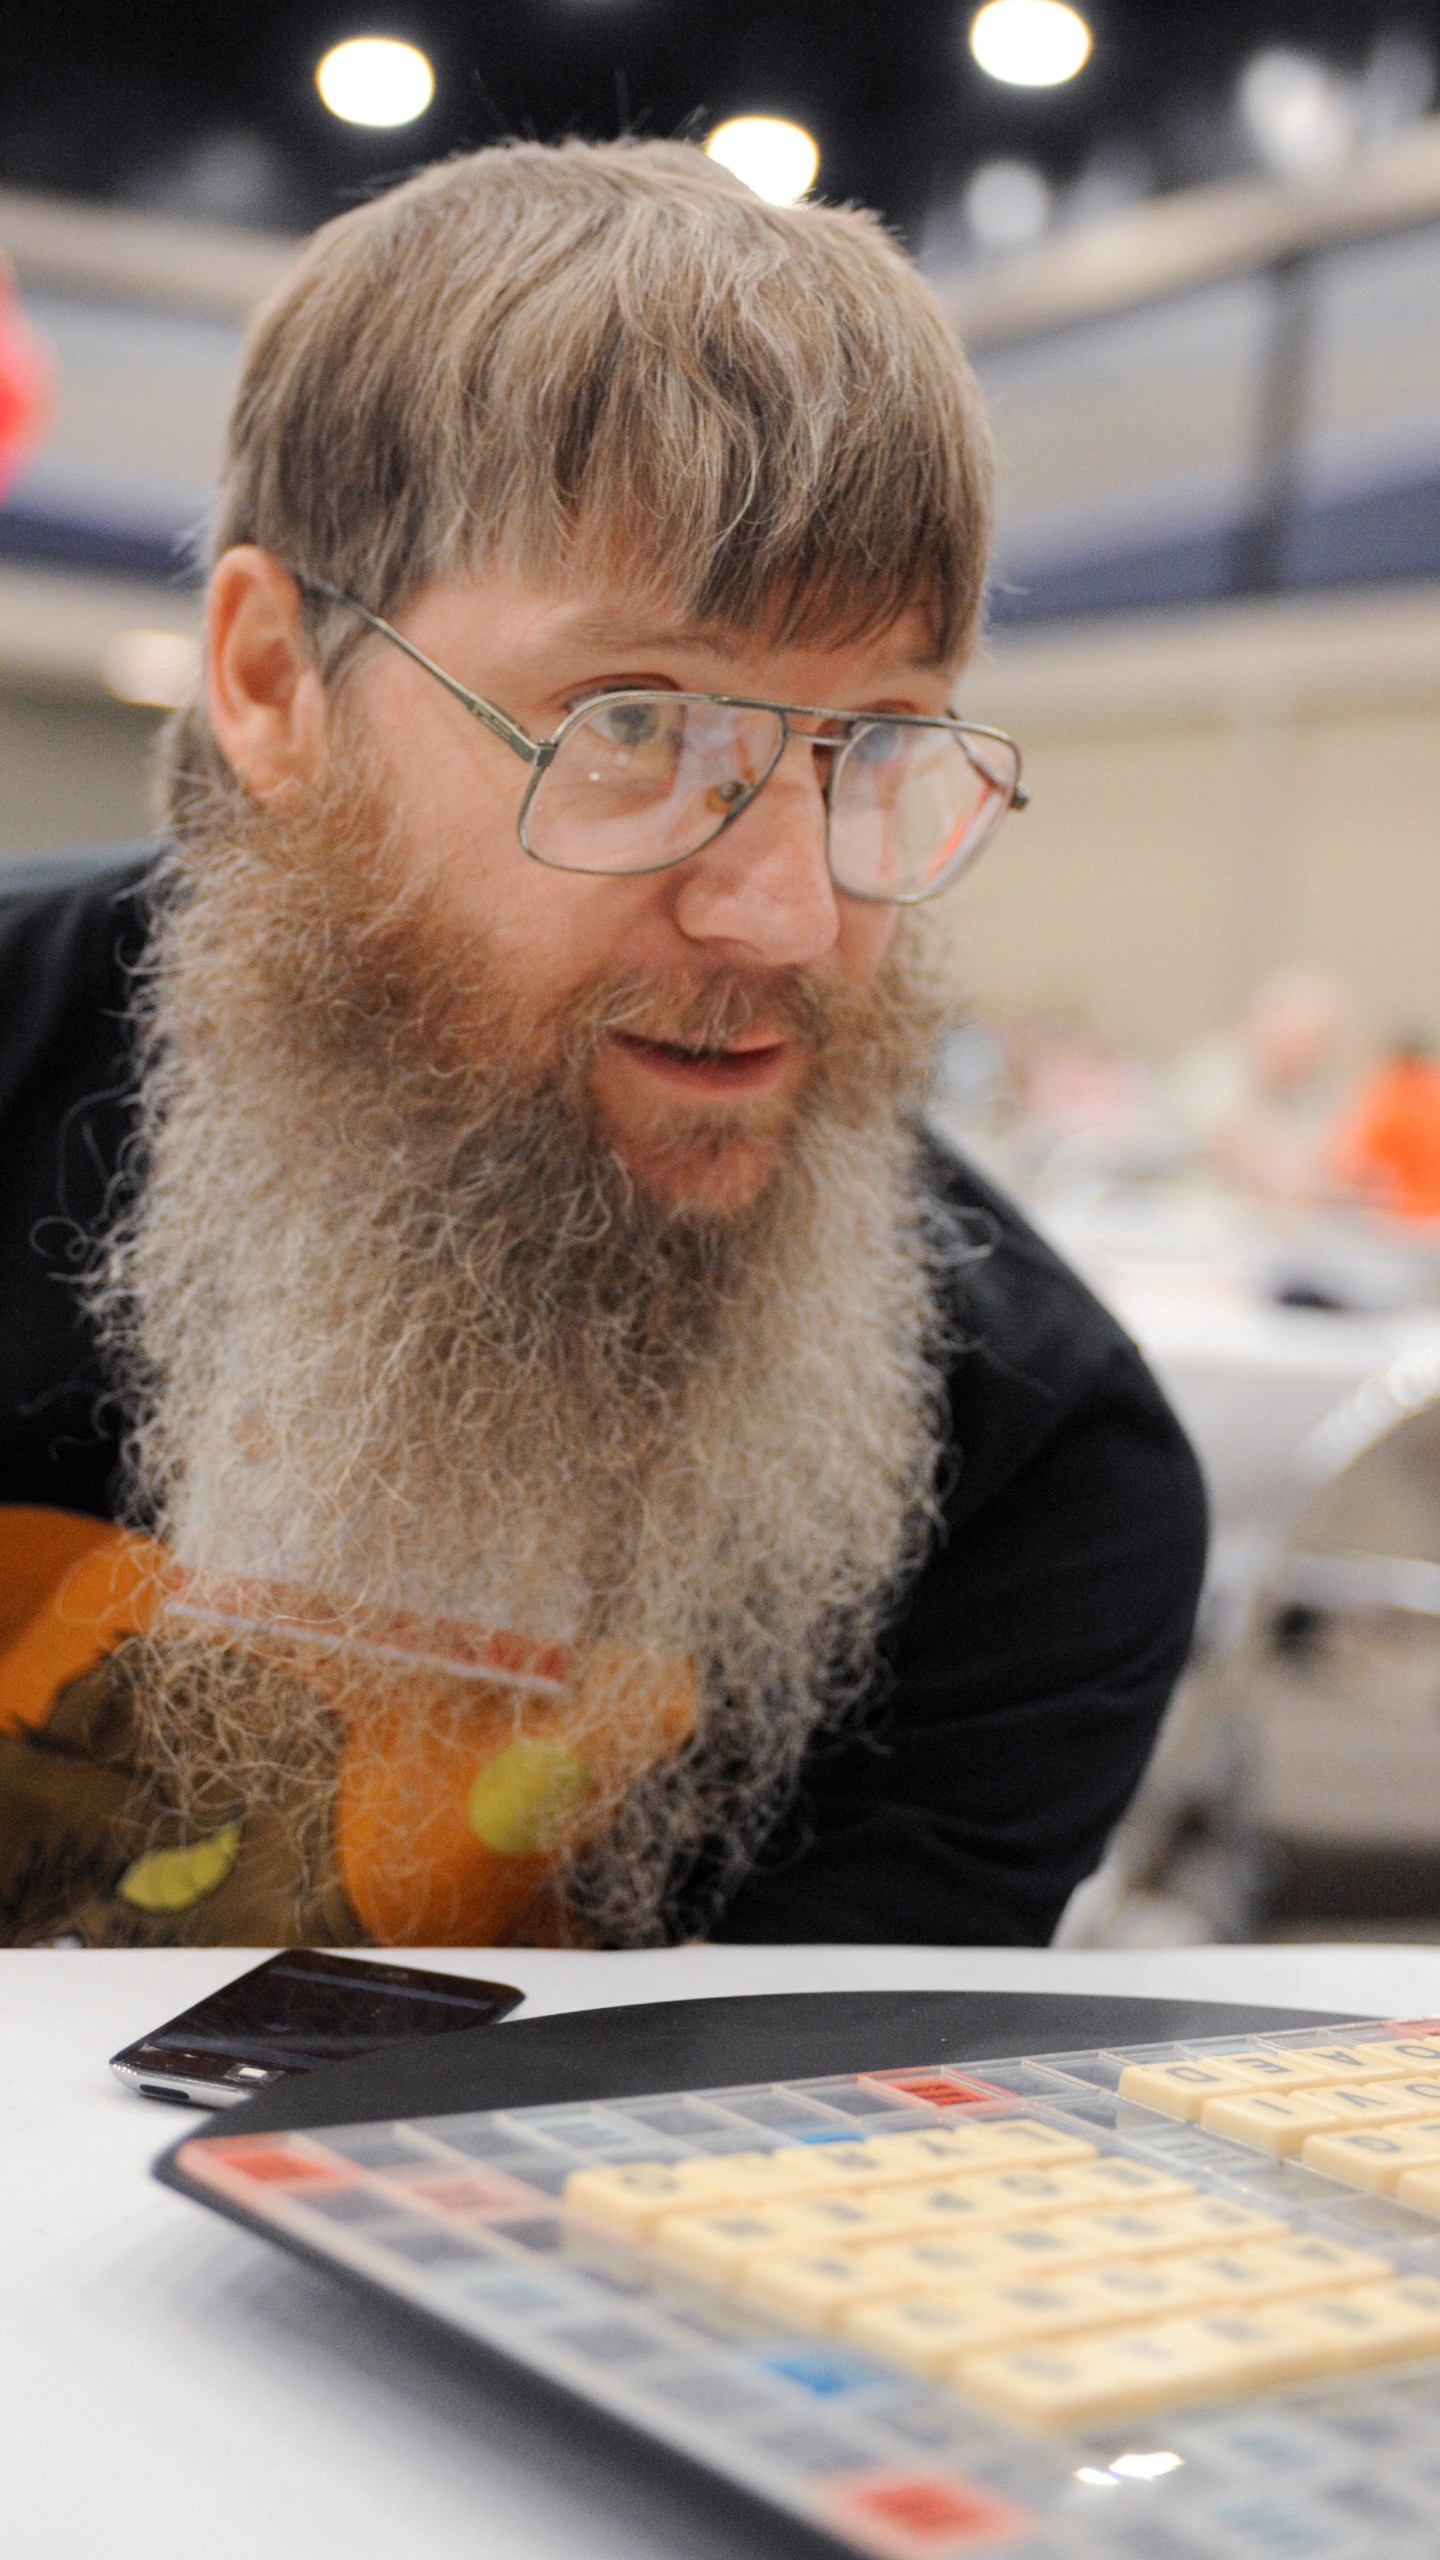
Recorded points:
(159, 669)
(1301, 117)
(1034, 44)
(1007, 204)
(1147, 2466)
(375, 80)
(779, 161)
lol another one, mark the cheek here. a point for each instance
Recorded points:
(863, 939)
(549, 932)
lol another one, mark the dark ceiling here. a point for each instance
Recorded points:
(192, 107)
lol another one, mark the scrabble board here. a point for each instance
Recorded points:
(1166, 2303)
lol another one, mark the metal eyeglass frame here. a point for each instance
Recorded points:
(540, 754)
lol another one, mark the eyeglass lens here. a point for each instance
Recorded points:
(645, 779)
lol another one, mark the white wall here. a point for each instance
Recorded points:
(72, 772)
(1216, 793)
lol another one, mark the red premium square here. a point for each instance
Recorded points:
(922, 2515)
(938, 2092)
(270, 2162)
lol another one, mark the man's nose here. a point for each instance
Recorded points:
(763, 885)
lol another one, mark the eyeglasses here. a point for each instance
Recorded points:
(638, 780)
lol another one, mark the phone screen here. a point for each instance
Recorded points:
(300, 2010)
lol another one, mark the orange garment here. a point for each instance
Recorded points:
(71, 1589)
(1391, 1149)
(470, 1762)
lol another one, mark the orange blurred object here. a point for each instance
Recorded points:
(25, 385)
(1391, 1149)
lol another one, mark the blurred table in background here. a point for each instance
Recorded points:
(1259, 1324)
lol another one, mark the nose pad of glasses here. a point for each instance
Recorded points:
(723, 797)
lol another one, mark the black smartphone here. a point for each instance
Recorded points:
(295, 2012)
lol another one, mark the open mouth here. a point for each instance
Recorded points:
(742, 1066)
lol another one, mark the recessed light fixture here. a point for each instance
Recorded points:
(778, 160)
(157, 669)
(375, 80)
(1034, 44)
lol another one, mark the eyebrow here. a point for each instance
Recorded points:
(602, 632)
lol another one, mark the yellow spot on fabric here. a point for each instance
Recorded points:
(171, 1879)
(523, 1798)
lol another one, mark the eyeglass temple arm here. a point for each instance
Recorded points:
(507, 731)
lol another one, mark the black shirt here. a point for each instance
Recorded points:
(1026, 1667)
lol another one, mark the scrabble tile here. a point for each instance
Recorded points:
(1380, 2101)
(1236, 2279)
(1119, 2181)
(1418, 2186)
(1401, 2059)
(1045, 2385)
(1033, 2194)
(1120, 2231)
(927, 2332)
(1131, 2290)
(718, 2244)
(837, 2220)
(1265, 2068)
(857, 2168)
(1228, 2351)
(942, 2151)
(1207, 2222)
(1371, 2324)
(629, 2199)
(1119, 2374)
(1342, 2062)
(1268, 2271)
(1269, 2120)
(1036, 2307)
(1375, 2160)
(936, 2266)
(1050, 2246)
(1325, 2263)
(739, 2177)
(815, 2287)
(1176, 2088)
(953, 2209)
(952, 2150)
(1023, 2142)
(1424, 2090)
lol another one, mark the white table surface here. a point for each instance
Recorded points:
(173, 2389)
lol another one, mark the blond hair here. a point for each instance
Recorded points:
(613, 355)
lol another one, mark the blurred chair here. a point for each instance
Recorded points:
(1297, 1780)
(1342, 1669)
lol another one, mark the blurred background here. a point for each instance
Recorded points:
(1195, 255)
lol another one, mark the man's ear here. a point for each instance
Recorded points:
(267, 703)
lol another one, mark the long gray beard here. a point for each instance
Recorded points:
(399, 1328)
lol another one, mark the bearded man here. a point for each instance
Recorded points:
(594, 1469)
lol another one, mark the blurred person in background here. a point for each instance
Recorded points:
(1080, 1101)
(1260, 1105)
(597, 1470)
(1389, 1149)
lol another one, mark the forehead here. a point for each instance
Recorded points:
(905, 642)
(602, 626)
